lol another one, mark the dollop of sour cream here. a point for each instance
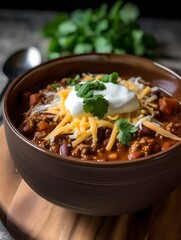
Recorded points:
(120, 99)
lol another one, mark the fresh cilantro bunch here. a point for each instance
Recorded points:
(101, 30)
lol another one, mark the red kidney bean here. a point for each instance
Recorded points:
(34, 98)
(135, 155)
(65, 149)
(105, 142)
(146, 130)
(27, 129)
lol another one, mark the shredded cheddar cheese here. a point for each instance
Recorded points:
(93, 128)
(145, 91)
(58, 129)
(81, 138)
(112, 138)
(160, 130)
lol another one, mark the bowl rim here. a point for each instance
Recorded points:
(74, 160)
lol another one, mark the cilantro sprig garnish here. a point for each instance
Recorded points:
(125, 131)
(113, 77)
(54, 85)
(73, 81)
(85, 90)
(96, 105)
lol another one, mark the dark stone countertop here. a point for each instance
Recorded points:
(19, 29)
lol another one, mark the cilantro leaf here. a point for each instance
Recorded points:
(102, 45)
(96, 105)
(82, 48)
(67, 27)
(83, 88)
(125, 131)
(86, 90)
(129, 13)
(73, 81)
(113, 77)
(54, 85)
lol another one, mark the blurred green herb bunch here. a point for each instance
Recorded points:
(102, 30)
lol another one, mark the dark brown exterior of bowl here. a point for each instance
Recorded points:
(93, 188)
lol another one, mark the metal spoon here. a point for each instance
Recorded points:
(18, 63)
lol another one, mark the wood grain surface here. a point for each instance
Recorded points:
(28, 216)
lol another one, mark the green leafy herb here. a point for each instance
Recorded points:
(113, 77)
(125, 131)
(54, 85)
(103, 30)
(86, 90)
(73, 81)
(96, 105)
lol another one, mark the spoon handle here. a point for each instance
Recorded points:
(1, 113)
(2, 98)
(4, 90)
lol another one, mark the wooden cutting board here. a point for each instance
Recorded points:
(28, 216)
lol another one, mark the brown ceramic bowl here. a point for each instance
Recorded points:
(94, 188)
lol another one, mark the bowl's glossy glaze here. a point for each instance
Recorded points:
(109, 188)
